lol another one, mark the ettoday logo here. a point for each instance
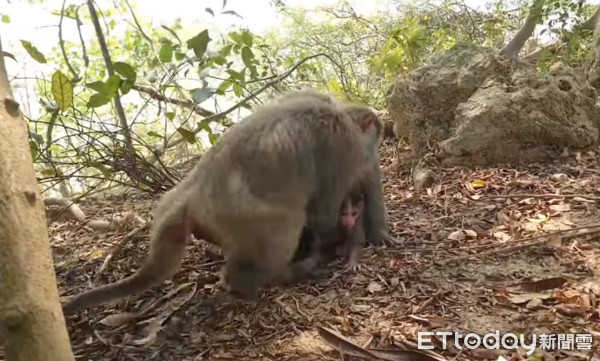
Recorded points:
(508, 341)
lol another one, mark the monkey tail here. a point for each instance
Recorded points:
(162, 263)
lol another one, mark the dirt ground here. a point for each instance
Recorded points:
(478, 252)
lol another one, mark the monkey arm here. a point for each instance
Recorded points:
(375, 216)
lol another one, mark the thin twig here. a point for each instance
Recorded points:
(117, 249)
(544, 239)
(585, 196)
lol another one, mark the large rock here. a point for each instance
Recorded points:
(486, 110)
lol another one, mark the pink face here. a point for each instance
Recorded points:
(349, 215)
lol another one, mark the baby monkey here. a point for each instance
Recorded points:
(349, 238)
(352, 228)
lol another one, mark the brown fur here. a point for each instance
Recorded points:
(288, 164)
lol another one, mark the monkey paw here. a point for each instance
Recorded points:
(352, 266)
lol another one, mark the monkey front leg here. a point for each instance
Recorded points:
(375, 215)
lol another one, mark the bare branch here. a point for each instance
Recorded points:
(516, 44)
(156, 94)
(111, 71)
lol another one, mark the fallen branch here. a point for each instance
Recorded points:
(585, 196)
(117, 249)
(525, 243)
(99, 225)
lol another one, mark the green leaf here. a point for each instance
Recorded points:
(49, 172)
(62, 90)
(34, 149)
(170, 115)
(8, 55)
(6, 19)
(226, 50)
(205, 125)
(112, 85)
(125, 70)
(393, 60)
(97, 100)
(213, 138)
(189, 136)
(165, 54)
(199, 43)
(231, 12)
(235, 75)
(106, 173)
(226, 84)
(247, 56)
(179, 55)
(237, 90)
(125, 86)
(219, 60)
(237, 38)
(33, 52)
(97, 86)
(247, 38)
(199, 95)
(37, 138)
(155, 134)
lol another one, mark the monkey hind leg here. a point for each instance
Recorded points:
(265, 246)
(164, 260)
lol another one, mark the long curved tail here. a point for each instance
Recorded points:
(163, 262)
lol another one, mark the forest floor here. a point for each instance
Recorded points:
(479, 252)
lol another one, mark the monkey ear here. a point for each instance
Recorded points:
(364, 118)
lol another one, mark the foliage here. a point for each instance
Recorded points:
(367, 52)
(78, 131)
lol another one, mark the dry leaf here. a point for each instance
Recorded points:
(502, 218)
(343, 345)
(518, 298)
(478, 183)
(568, 296)
(456, 236)
(555, 240)
(471, 233)
(559, 177)
(501, 236)
(374, 287)
(540, 219)
(534, 304)
(569, 310)
(541, 285)
(562, 207)
(118, 319)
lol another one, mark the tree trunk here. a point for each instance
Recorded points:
(594, 70)
(32, 326)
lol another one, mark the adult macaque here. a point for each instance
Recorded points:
(375, 213)
(288, 164)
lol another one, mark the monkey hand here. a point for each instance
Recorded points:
(383, 237)
(352, 266)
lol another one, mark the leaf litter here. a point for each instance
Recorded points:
(485, 249)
